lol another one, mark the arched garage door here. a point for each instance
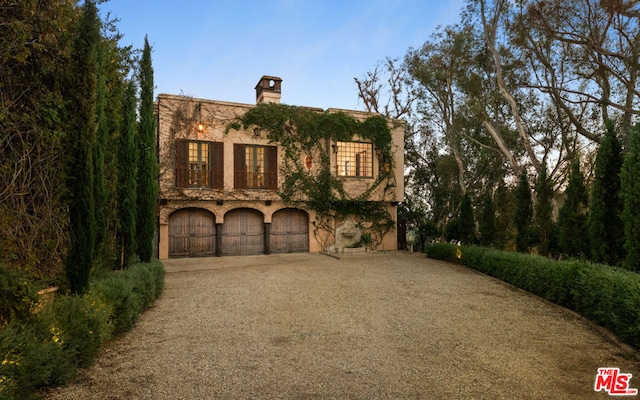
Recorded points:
(242, 233)
(192, 233)
(289, 232)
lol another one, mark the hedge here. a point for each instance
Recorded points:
(46, 348)
(608, 296)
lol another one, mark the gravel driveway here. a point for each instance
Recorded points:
(371, 326)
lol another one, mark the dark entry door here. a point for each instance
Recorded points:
(289, 232)
(242, 233)
(192, 233)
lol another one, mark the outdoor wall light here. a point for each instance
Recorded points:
(257, 131)
(200, 127)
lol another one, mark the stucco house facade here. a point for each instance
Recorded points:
(219, 188)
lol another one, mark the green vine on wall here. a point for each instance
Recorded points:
(305, 132)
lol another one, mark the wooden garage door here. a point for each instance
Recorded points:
(192, 233)
(289, 232)
(242, 233)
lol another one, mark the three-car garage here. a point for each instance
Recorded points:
(194, 232)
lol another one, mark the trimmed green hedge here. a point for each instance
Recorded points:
(47, 348)
(608, 296)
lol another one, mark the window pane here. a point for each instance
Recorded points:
(354, 159)
(255, 160)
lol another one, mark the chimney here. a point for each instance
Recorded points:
(268, 90)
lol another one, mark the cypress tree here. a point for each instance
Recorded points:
(544, 194)
(605, 225)
(81, 139)
(487, 222)
(524, 212)
(127, 175)
(467, 224)
(572, 217)
(99, 187)
(148, 162)
(630, 181)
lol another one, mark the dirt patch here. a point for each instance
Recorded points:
(384, 325)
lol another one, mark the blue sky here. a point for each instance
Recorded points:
(219, 49)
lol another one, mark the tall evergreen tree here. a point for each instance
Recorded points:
(487, 222)
(81, 139)
(630, 181)
(605, 225)
(572, 217)
(127, 175)
(524, 212)
(467, 223)
(102, 131)
(148, 161)
(544, 223)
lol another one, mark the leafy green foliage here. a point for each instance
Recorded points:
(47, 350)
(544, 222)
(524, 213)
(148, 161)
(467, 222)
(17, 296)
(302, 131)
(487, 222)
(127, 174)
(605, 226)
(630, 181)
(572, 219)
(80, 143)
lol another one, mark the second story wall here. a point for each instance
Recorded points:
(200, 159)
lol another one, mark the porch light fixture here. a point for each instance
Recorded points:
(200, 127)
(257, 131)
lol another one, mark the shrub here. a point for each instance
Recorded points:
(32, 356)
(17, 296)
(82, 325)
(608, 296)
(46, 349)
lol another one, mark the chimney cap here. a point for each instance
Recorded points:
(271, 85)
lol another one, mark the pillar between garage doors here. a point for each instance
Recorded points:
(218, 239)
(267, 235)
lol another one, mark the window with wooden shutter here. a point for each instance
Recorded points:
(255, 167)
(217, 170)
(199, 164)
(271, 161)
(239, 167)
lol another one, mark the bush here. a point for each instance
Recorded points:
(46, 349)
(608, 296)
(17, 296)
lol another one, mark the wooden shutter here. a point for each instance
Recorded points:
(182, 163)
(271, 161)
(239, 167)
(217, 165)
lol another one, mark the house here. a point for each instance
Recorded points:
(223, 184)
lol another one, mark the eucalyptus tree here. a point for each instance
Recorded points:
(585, 58)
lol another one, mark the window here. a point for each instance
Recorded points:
(255, 167)
(255, 162)
(354, 159)
(199, 164)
